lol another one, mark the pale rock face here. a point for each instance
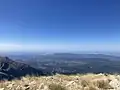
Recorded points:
(70, 83)
(32, 83)
(2, 89)
(46, 87)
(115, 83)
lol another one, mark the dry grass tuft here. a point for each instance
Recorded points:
(103, 84)
(64, 82)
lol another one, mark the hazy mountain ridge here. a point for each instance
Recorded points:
(12, 69)
(70, 63)
(65, 55)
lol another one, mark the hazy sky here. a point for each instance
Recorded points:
(35, 25)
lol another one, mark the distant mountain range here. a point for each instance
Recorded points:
(65, 63)
(64, 55)
(10, 69)
(69, 63)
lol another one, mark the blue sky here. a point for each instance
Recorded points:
(38, 25)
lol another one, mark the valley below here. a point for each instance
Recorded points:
(68, 63)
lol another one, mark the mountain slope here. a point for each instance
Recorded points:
(10, 69)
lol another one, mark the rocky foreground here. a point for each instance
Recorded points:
(64, 82)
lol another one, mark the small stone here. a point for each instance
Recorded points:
(45, 87)
(27, 88)
(9, 86)
(26, 85)
(41, 86)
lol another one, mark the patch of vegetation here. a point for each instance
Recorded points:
(56, 87)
